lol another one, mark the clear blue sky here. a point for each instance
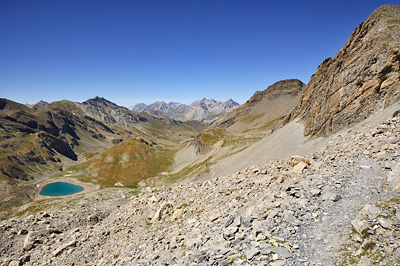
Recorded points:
(167, 50)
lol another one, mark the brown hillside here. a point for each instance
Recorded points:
(265, 107)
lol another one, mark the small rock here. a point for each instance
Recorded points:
(214, 215)
(283, 252)
(229, 221)
(224, 262)
(237, 221)
(272, 214)
(394, 177)
(51, 229)
(277, 263)
(358, 225)
(93, 219)
(14, 263)
(331, 196)
(60, 250)
(314, 191)
(298, 168)
(22, 232)
(164, 209)
(371, 210)
(289, 218)
(178, 214)
(295, 160)
(30, 240)
(251, 253)
(358, 238)
(385, 223)
(230, 232)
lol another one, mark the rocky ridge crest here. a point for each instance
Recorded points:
(205, 110)
(363, 77)
(263, 108)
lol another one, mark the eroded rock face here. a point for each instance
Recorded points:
(364, 76)
(57, 144)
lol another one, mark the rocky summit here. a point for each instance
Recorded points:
(363, 76)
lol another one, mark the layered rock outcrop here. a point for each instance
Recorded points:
(363, 77)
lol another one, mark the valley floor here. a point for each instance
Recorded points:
(337, 206)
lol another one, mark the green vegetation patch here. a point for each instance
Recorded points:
(264, 127)
(394, 21)
(128, 163)
(212, 136)
(88, 155)
(251, 118)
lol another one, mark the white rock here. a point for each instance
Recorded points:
(298, 168)
(358, 225)
(371, 210)
(384, 223)
(164, 208)
(394, 177)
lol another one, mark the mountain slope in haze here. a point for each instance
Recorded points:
(263, 108)
(205, 110)
(150, 125)
(364, 76)
(173, 108)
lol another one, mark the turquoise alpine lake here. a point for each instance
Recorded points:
(60, 189)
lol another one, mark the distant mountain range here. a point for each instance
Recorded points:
(205, 110)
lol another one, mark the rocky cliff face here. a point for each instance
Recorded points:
(363, 77)
(109, 113)
(263, 108)
(205, 110)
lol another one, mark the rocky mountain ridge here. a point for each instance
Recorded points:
(363, 77)
(263, 108)
(34, 142)
(48, 137)
(205, 110)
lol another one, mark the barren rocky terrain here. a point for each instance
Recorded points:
(339, 205)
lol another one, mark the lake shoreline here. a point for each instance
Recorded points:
(87, 187)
